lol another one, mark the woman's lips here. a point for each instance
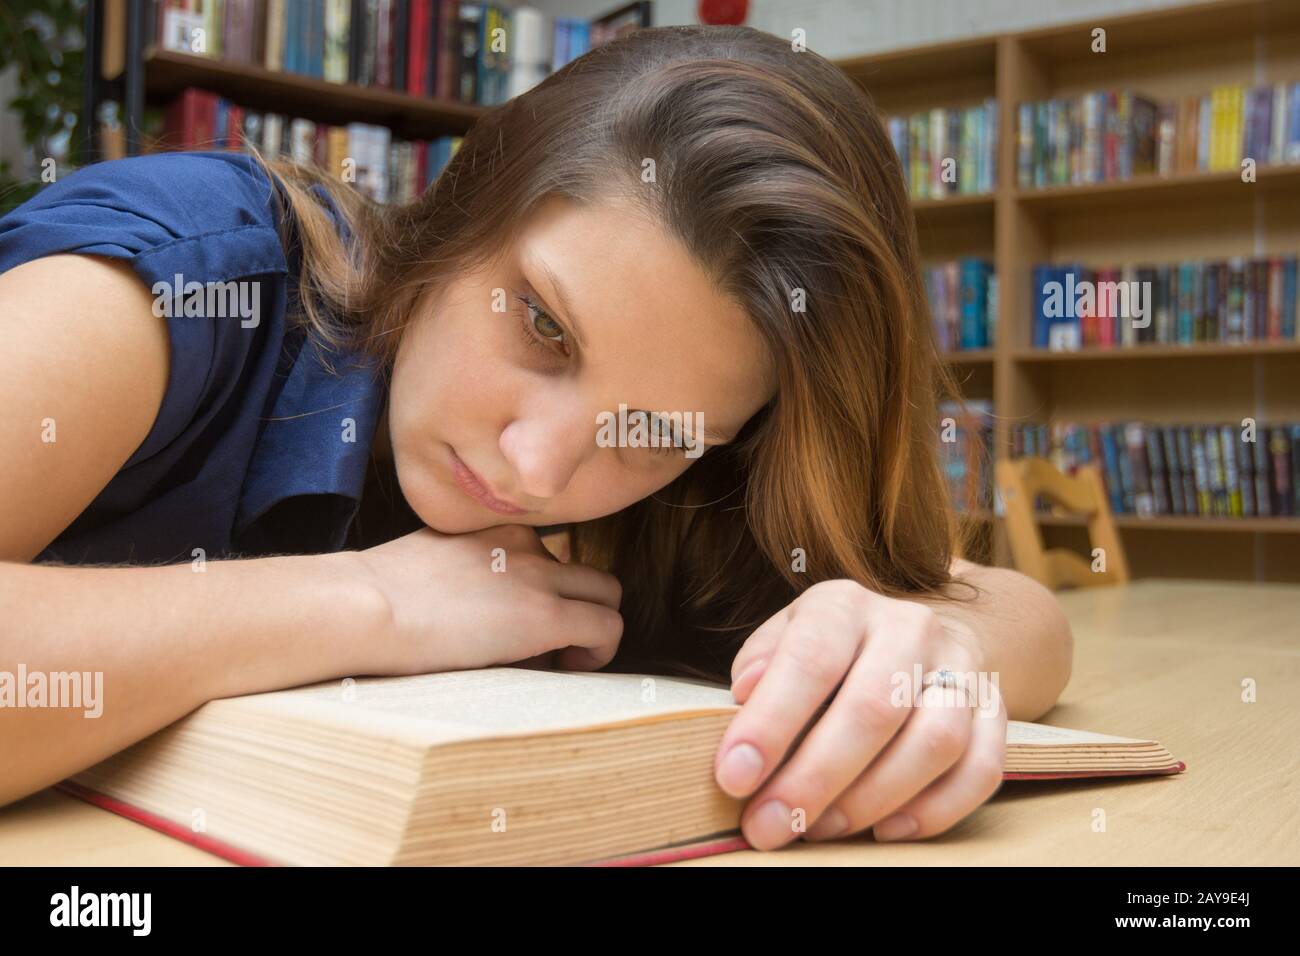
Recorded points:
(476, 488)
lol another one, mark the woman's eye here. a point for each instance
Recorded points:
(540, 329)
(668, 443)
(547, 327)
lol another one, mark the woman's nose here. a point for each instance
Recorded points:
(545, 450)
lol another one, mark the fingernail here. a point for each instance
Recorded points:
(832, 823)
(770, 827)
(740, 770)
(897, 827)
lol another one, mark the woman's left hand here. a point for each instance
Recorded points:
(872, 758)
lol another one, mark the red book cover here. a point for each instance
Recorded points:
(710, 846)
(182, 120)
(725, 843)
(1088, 321)
(207, 130)
(418, 48)
(421, 165)
(1108, 315)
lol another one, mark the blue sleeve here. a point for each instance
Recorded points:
(205, 217)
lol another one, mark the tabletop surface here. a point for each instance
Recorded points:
(1156, 659)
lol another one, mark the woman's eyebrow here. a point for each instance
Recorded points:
(563, 300)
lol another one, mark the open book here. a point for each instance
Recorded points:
(505, 765)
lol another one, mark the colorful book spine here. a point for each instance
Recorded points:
(1213, 470)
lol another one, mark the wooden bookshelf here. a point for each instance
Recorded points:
(1166, 53)
(1225, 350)
(1151, 219)
(970, 356)
(412, 117)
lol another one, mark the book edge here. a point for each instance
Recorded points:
(653, 857)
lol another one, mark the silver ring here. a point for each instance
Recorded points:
(943, 677)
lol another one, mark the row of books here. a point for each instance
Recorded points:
(965, 453)
(1115, 134)
(1234, 300)
(483, 53)
(963, 297)
(947, 152)
(1207, 470)
(381, 167)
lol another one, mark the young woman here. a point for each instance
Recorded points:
(259, 432)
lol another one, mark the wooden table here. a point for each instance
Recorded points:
(1158, 659)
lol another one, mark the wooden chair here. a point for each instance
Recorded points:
(1020, 481)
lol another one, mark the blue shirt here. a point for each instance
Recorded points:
(250, 452)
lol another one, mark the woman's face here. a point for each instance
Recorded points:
(500, 381)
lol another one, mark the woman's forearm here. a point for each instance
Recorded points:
(164, 640)
(1021, 632)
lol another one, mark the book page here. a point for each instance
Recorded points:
(1021, 732)
(506, 700)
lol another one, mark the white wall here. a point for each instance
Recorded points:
(844, 28)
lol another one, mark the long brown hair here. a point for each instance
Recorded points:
(774, 170)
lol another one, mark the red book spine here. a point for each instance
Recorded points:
(182, 119)
(421, 165)
(1108, 316)
(417, 49)
(446, 36)
(207, 131)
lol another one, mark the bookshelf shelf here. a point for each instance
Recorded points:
(927, 207)
(168, 72)
(1146, 352)
(958, 217)
(1197, 186)
(970, 356)
(1279, 525)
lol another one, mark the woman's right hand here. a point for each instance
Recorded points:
(448, 609)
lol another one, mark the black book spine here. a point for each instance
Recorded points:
(401, 33)
(1245, 474)
(356, 39)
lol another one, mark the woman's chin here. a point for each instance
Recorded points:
(451, 512)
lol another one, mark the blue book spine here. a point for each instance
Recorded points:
(315, 17)
(310, 47)
(318, 39)
(1113, 481)
(220, 124)
(292, 34)
(1292, 150)
(1183, 327)
(1042, 275)
(974, 295)
(1128, 485)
